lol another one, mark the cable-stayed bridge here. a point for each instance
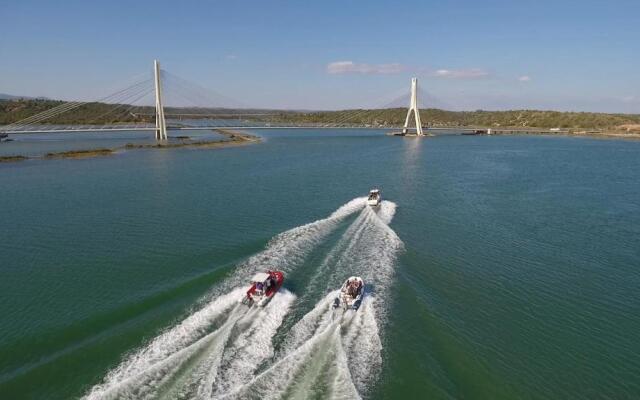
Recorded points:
(165, 102)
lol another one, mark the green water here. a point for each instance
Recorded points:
(508, 270)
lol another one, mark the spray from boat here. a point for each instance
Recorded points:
(227, 349)
(336, 352)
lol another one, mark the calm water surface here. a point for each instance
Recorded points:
(500, 267)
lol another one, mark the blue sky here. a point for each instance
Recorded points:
(493, 54)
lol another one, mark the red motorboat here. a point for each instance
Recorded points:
(263, 286)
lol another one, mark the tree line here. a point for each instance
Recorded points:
(102, 113)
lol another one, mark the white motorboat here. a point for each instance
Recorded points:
(351, 294)
(374, 197)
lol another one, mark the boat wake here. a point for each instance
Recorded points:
(331, 353)
(184, 361)
(226, 349)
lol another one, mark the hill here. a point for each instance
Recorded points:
(442, 118)
(100, 113)
(4, 96)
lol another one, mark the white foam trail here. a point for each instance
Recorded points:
(372, 254)
(387, 211)
(349, 208)
(362, 344)
(342, 252)
(325, 361)
(296, 375)
(194, 370)
(179, 337)
(328, 350)
(342, 247)
(234, 359)
(368, 235)
(191, 347)
(254, 345)
(167, 351)
(360, 340)
(314, 321)
(205, 362)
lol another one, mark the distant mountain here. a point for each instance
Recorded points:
(4, 96)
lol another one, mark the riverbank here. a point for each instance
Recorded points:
(514, 131)
(613, 134)
(231, 138)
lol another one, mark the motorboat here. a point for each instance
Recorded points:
(351, 294)
(374, 197)
(263, 286)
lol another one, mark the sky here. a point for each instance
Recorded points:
(467, 54)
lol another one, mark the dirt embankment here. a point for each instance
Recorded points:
(12, 158)
(232, 138)
(80, 153)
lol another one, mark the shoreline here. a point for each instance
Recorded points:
(585, 134)
(233, 138)
(508, 131)
(240, 138)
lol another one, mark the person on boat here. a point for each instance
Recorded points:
(352, 291)
(259, 287)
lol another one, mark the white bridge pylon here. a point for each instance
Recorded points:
(413, 106)
(161, 124)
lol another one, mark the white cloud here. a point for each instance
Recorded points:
(524, 78)
(349, 67)
(472, 73)
(231, 57)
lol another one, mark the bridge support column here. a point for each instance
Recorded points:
(161, 126)
(413, 106)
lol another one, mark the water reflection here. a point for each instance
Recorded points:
(412, 149)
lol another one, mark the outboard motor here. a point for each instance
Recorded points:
(336, 302)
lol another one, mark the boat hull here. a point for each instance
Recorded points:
(261, 299)
(348, 301)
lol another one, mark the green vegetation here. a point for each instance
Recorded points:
(15, 110)
(12, 158)
(101, 113)
(441, 118)
(90, 113)
(80, 153)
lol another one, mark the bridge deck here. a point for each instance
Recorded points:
(239, 127)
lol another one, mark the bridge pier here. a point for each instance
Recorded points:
(413, 106)
(161, 125)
